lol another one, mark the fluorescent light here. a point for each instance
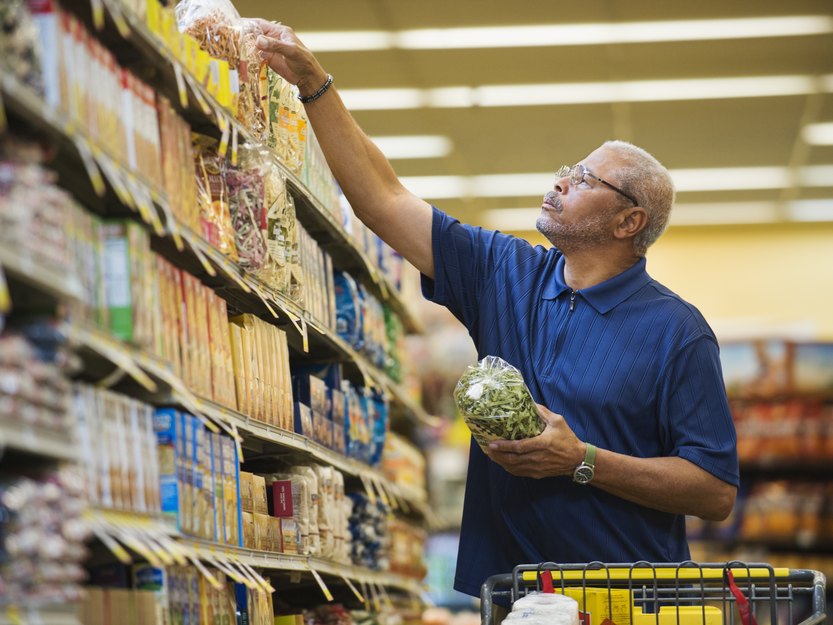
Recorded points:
(585, 92)
(348, 40)
(818, 134)
(689, 214)
(383, 99)
(413, 146)
(811, 210)
(816, 176)
(536, 184)
(731, 178)
(602, 33)
(511, 219)
(612, 33)
(437, 187)
(723, 213)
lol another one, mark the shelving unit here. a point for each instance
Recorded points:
(109, 188)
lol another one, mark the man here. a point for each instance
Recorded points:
(646, 435)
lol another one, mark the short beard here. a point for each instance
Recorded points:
(570, 238)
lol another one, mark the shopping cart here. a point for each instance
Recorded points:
(687, 593)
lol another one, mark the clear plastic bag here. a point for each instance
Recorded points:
(247, 195)
(221, 32)
(212, 195)
(495, 402)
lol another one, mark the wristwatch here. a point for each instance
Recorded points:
(584, 472)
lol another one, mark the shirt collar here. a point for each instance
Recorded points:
(606, 295)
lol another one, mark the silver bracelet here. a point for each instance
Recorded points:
(312, 98)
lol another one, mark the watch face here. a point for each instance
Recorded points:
(583, 474)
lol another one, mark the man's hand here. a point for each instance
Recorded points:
(555, 451)
(280, 47)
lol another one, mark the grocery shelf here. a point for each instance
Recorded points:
(161, 386)
(38, 615)
(138, 47)
(266, 560)
(36, 440)
(245, 291)
(24, 265)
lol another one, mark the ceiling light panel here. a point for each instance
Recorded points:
(818, 134)
(585, 93)
(570, 34)
(413, 146)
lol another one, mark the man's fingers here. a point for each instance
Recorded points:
(270, 44)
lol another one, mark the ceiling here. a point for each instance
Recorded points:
(688, 127)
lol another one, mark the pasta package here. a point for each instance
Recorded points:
(212, 195)
(495, 402)
(219, 30)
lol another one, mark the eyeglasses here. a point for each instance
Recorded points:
(577, 174)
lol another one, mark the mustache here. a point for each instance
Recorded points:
(552, 198)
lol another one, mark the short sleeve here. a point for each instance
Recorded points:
(694, 411)
(465, 259)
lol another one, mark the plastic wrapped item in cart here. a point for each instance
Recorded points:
(544, 609)
(495, 402)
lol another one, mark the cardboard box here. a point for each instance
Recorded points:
(281, 499)
(259, 494)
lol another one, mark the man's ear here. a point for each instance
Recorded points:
(631, 222)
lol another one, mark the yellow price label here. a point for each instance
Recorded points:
(5, 297)
(98, 14)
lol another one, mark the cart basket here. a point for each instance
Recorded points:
(685, 593)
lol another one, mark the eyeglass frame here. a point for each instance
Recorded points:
(566, 170)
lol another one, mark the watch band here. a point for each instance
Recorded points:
(585, 471)
(590, 455)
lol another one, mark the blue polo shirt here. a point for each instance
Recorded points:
(632, 368)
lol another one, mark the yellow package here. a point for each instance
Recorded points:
(238, 365)
(259, 494)
(615, 606)
(249, 540)
(261, 531)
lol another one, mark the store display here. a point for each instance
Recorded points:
(212, 196)
(154, 330)
(219, 30)
(42, 538)
(33, 391)
(260, 357)
(403, 463)
(19, 46)
(495, 403)
(118, 446)
(369, 532)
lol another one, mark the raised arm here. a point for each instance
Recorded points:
(399, 217)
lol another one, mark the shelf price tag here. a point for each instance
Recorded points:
(4, 122)
(355, 590)
(5, 297)
(115, 548)
(225, 129)
(180, 85)
(326, 591)
(89, 164)
(215, 584)
(98, 14)
(13, 615)
(371, 495)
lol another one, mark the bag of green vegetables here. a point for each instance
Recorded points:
(495, 402)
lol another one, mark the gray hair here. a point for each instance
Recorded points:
(644, 177)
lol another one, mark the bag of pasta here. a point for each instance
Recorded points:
(495, 402)
(247, 199)
(220, 31)
(212, 195)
